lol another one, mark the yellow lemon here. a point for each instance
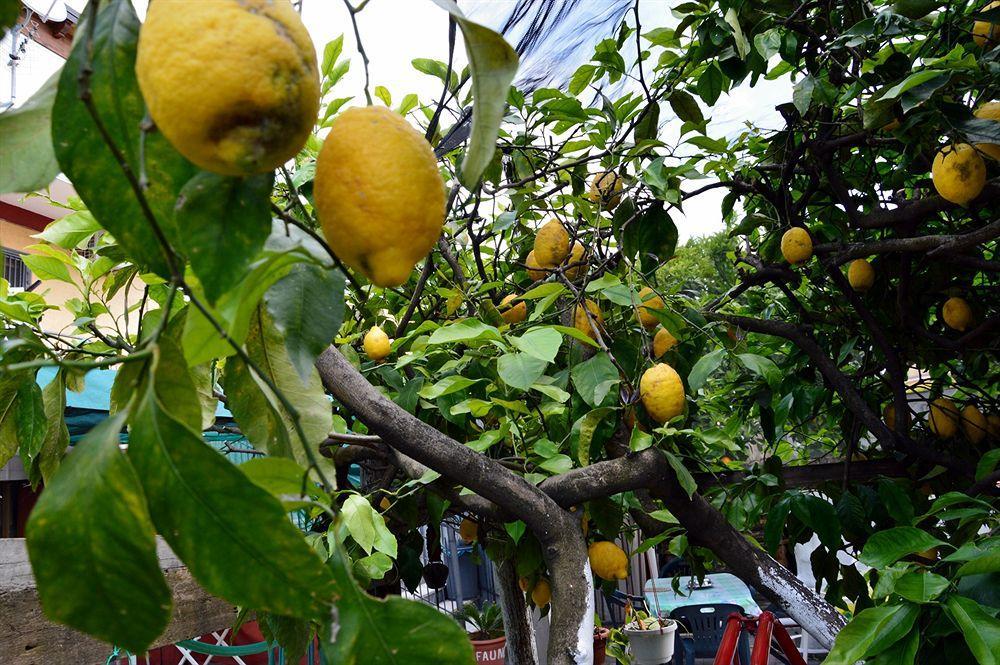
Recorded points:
(959, 173)
(385, 504)
(541, 594)
(663, 342)
(551, 243)
(943, 418)
(232, 84)
(889, 415)
(376, 344)
(993, 426)
(379, 194)
(986, 33)
(796, 245)
(861, 275)
(608, 561)
(990, 111)
(929, 554)
(582, 322)
(956, 313)
(974, 424)
(662, 392)
(576, 262)
(468, 530)
(606, 189)
(534, 268)
(513, 313)
(648, 300)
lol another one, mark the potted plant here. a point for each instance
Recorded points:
(601, 635)
(487, 636)
(643, 640)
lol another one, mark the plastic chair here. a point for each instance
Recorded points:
(706, 624)
(677, 567)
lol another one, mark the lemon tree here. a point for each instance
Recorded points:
(484, 293)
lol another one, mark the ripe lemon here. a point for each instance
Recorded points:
(943, 418)
(986, 33)
(606, 189)
(889, 415)
(990, 111)
(648, 301)
(576, 262)
(232, 84)
(534, 268)
(376, 344)
(861, 275)
(663, 342)
(551, 244)
(379, 194)
(993, 426)
(541, 594)
(468, 530)
(959, 173)
(513, 313)
(956, 313)
(662, 392)
(974, 424)
(583, 323)
(796, 245)
(608, 561)
(385, 504)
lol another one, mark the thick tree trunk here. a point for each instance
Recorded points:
(516, 617)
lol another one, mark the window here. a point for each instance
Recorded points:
(14, 269)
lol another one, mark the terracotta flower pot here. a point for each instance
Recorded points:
(490, 652)
(600, 645)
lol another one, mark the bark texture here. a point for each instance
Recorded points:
(516, 617)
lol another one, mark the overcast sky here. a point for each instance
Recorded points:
(395, 32)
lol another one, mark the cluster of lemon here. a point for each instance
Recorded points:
(945, 420)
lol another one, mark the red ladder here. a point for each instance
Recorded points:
(765, 627)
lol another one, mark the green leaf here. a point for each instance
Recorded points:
(920, 587)
(761, 366)
(871, 631)
(911, 81)
(56, 436)
(9, 11)
(366, 526)
(285, 479)
(222, 223)
(588, 426)
(885, 547)
(742, 46)
(648, 125)
(27, 161)
(93, 548)
(383, 94)
(594, 379)
(686, 107)
(989, 562)
(652, 233)
(704, 367)
(48, 267)
(331, 53)
(69, 231)
(262, 417)
(307, 307)
(802, 93)
(86, 159)
(446, 386)
(493, 64)
(233, 536)
(979, 628)
(684, 476)
(393, 631)
(820, 516)
(542, 343)
(710, 84)
(29, 417)
(467, 330)
(520, 370)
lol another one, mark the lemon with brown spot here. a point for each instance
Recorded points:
(379, 194)
(606, 189)
(956, 313)
(993, 426)
(232, 84)
(796, 245)
(648, 301)
(974, 424)
(943, 418)
(585, 323)
(576, 262)
(663, 341)
(551, 244)
(989, 111)
(608, 561)
(986, 33)
(861, 275)
(534, 268)
(513, 312)
(959, 173)
(377, 344)
(889, 415)
(662, 392)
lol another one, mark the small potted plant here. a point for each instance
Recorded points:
(643, 640)
(487, 635)
(601, 635)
